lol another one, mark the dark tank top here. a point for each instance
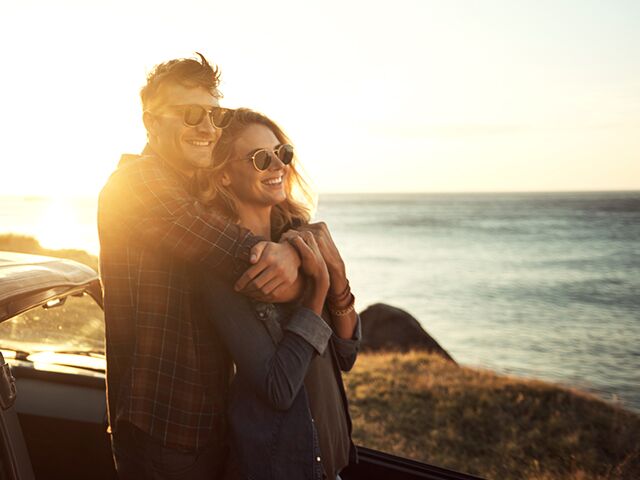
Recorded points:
(328, 413)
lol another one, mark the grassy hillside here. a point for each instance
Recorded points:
(25, 244)
(423, 407)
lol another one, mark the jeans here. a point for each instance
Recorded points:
(138, 456)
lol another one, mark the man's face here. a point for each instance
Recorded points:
(185, 147)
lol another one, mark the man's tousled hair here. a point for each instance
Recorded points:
(187, 72)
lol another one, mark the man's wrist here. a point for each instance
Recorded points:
(296, 257)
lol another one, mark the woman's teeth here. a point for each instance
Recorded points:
(273, 181)
(199, 143)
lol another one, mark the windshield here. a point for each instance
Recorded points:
(77, 326)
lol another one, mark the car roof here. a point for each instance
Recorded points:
(28, 280)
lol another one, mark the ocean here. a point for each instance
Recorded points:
(537, 285)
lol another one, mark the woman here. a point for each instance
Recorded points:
(288, 411)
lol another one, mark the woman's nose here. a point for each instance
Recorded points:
(276, 163)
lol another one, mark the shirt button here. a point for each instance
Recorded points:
(317, 459)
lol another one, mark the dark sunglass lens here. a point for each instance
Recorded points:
(262, 159)
(221, 117)
(193, 115)
(285, 154)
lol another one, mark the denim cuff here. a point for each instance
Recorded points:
(347, 346)
(311, 327)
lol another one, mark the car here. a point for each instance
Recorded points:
(53, 415)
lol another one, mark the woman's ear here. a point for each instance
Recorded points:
(225, 179)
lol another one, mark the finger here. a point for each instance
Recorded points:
(306, 254)
(256, 251)
(307, 235)
(263, 278)
(305, 228)
(269, 287)
(310, 240)
(278, 291)
(249, 274)
(289, 234)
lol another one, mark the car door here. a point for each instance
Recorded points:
(14, 458)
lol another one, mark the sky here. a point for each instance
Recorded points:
(377, 96)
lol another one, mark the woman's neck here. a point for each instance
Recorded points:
(258, 220)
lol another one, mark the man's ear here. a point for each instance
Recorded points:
(150, 123)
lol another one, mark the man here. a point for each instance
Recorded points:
(166, 372)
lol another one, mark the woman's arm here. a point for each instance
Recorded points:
(340, 300)
(277, 372)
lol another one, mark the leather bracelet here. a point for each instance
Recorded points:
(340, 312)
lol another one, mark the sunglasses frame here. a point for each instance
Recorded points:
(270, 154)
(227, 114)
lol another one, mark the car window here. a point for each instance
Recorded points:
(77, 324)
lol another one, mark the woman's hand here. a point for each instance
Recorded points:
(314, 267)
(344, 324)
(330, 253)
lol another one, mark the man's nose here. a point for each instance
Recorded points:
(206, 127)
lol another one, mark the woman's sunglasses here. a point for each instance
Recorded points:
(262, 158)
(193, 115)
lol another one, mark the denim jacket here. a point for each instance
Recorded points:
(273, 432)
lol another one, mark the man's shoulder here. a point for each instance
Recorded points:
(131, 164)
(134, 168)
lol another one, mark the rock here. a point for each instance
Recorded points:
(392, 329)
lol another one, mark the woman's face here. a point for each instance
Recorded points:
(253, 187)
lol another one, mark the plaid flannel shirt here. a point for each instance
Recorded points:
(167, 372)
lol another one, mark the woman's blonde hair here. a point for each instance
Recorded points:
(214, 194)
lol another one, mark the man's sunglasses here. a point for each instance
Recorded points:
(262, 158)
(193, 115)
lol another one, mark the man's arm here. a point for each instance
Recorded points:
(145, 201)
(267, 279)
(151, 203)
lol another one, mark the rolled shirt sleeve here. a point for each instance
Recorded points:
(310, 326)
(347, 348)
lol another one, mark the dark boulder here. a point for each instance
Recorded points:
(392, 329)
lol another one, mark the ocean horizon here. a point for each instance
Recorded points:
(532, 284)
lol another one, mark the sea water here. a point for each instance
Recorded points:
(543, 285)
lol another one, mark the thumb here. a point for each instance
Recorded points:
(256, 252)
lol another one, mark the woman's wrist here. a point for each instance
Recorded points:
(339, 282)
(316, 294)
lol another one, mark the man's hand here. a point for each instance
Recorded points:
(273, 277)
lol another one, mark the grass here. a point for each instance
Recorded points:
(420, 406)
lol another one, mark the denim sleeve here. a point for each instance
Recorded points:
(276, 372)
(347, 348)
(311, 327)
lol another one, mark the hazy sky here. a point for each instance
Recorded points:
(377, 96)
